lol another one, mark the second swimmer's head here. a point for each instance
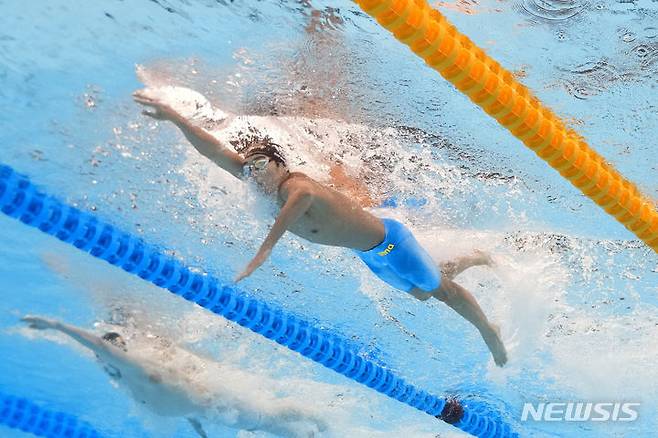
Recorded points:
(115, 339)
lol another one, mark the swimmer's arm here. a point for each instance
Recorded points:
(210, 147)
(91, 341)
(85, 338)
(198, 428)
(298, 202)
(204, 142)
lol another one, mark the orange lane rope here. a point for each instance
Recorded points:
(430, 36)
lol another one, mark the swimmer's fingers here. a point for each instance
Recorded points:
(154, 114)
(30, 319)
(142, 94)
(255, 263)
(145, 100)
(242, 276)
(159, 110)
(37, 322)
(246, 273)
(141, 97)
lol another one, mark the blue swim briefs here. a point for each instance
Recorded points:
(400, 260)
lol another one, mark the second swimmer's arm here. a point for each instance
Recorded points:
(85, 338)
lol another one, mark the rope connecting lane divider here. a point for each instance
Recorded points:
(20, 199)
(23, 414)
(430, 36)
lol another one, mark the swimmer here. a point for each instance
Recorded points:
(173, 382)
(320, 214)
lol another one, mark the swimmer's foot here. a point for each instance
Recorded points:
(495, 344)
(455, 267)
(482, 258)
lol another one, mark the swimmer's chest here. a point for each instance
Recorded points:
(156, 385)
(315, 223)
(161, 396)
(328, 221)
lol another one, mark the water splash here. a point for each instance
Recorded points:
(553, 11)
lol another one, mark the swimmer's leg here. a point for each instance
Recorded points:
(291, 421)
(455, 267)
(198, 428)
(464, 303)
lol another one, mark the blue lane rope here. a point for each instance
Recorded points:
(21, 413)
(20, 199)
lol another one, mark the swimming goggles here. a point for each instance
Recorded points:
(255, 166)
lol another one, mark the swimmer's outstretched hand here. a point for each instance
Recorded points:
(254, 264)
(158, 109)
(39, 323)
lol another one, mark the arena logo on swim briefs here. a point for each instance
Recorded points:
(621, 412)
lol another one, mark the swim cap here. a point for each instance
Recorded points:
(115, 339)
(256, 145)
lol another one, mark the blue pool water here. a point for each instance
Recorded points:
(575, 294)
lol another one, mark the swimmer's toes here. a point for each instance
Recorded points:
(485, 258)
(496, 346)
(501, 357)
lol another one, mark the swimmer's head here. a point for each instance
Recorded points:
(115, 339)
(264, 146)
(264, 163)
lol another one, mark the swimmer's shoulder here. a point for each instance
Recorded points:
(296, 180)
(300, 181)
